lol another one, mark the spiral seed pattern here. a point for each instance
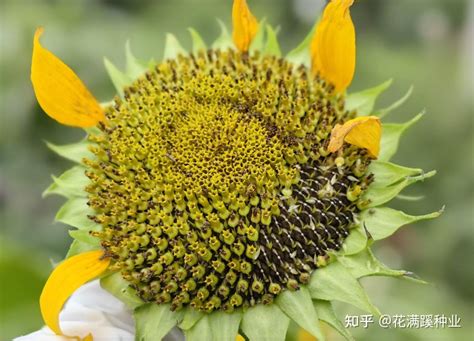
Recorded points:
(213, 183)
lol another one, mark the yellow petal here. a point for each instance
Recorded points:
(333, 48)
(364, 132)
(65, 279)
(245, 25)
(59, 91)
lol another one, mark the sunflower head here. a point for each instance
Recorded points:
(213, 181)
(228, 188)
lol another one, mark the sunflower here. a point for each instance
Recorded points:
(227, 191)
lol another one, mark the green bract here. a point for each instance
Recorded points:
(337, 275)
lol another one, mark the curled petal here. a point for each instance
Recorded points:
(333, 48)
(64, 280)
(364, 132)
(60, 93)
(244, 24)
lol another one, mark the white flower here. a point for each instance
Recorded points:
(93, 310)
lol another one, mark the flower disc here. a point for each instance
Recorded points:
(213, 182)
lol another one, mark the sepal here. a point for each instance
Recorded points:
(335, 282)
(198, 42)
(172, 47)
(119, 79)
(78, 247)
(298, 306)
(153, 321)
(85, 237)
(407, 197)
(224, 41)
(82, 242)
(265, 322)
(134, 68)
(224, 326)
(363, 101)
(301, 55)
(391, 133)
(258, 42)
(272, 46)
(386, 173)
(382, 222)
(75, 213)
(379, 195)
(70, 184)
(120, 288)
(355, 242)
(365, 264)
(326, 314)
(201, 331)
(74, 152)
(385, 111)
(190, 318)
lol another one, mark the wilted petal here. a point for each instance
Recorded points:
(333, 49)
(59, 91)
(244, 24)
(364, 132)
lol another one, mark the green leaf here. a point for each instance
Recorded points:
(272, 46)
(225, 326)
(69, 184)
(355, 242)
(119, 79)
(224, 41)
(75, 213)
(382, 222)
(172, 47)
(363, 102)
(190, 317)
(120, 288)
(198, 42)
(201, 331)
(302, 53)
(326, 313)
(265, 322)
(133, 66)
(299, 307)
(258, 40)
(391, 133)
(78, 247)
(335, 282)
(380, 195)
(365, 264)
(153, 321)
(386, 173)
(383, 112)
(74, 151)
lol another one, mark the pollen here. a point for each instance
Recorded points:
(214, 184)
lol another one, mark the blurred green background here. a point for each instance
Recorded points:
(427, 43)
